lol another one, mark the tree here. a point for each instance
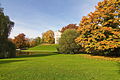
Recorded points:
(99, 31)
(34, 42)
(70, 26)
(20, 41)
(6, 26)
(48, 37)
(67, 43)
(37, 40)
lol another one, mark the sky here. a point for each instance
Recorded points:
(33, 17)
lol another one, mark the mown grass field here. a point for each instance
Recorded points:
(53, 66)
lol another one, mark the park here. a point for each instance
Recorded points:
(89, 50)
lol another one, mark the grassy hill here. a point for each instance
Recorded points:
(44, 48)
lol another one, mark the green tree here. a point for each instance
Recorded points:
(37, 40)
(67, 43)
(6, 26)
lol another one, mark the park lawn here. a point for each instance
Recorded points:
(53, 66)
(46, 64)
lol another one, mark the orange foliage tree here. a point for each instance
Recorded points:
(48, 37)
(100, 30)
(20, 41)
(70, 26)
(32, 43)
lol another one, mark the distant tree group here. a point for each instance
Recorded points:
(7, 48)
(48, 37)
(35, 42)
(70, 26)
(22, 42)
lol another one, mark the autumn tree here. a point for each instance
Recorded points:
(6, 26)
(70, 26)
(48, 37)
(20, 41)
(34, 41)
(100, 30)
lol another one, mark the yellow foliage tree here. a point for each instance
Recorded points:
(100, 30)
(48, 37)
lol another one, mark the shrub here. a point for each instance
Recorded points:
(67, 43)
(115, 52)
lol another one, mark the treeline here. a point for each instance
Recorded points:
(22, 42)
(48, 37)
(98, 32)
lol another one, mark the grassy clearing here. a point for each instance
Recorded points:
(52, 66)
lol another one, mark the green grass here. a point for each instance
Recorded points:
(52, 66)
(44, 64)
(43, 48)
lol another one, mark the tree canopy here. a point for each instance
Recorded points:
(67, 43)
(48, 37)
(100, 30)
(70, 26)
(20, 41)
(6, 26)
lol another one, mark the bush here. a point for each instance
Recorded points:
(115, 52)
(67, 43)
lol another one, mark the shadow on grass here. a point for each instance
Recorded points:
(110, 56)
(118, 67)
(10, 61)
(38, 54)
